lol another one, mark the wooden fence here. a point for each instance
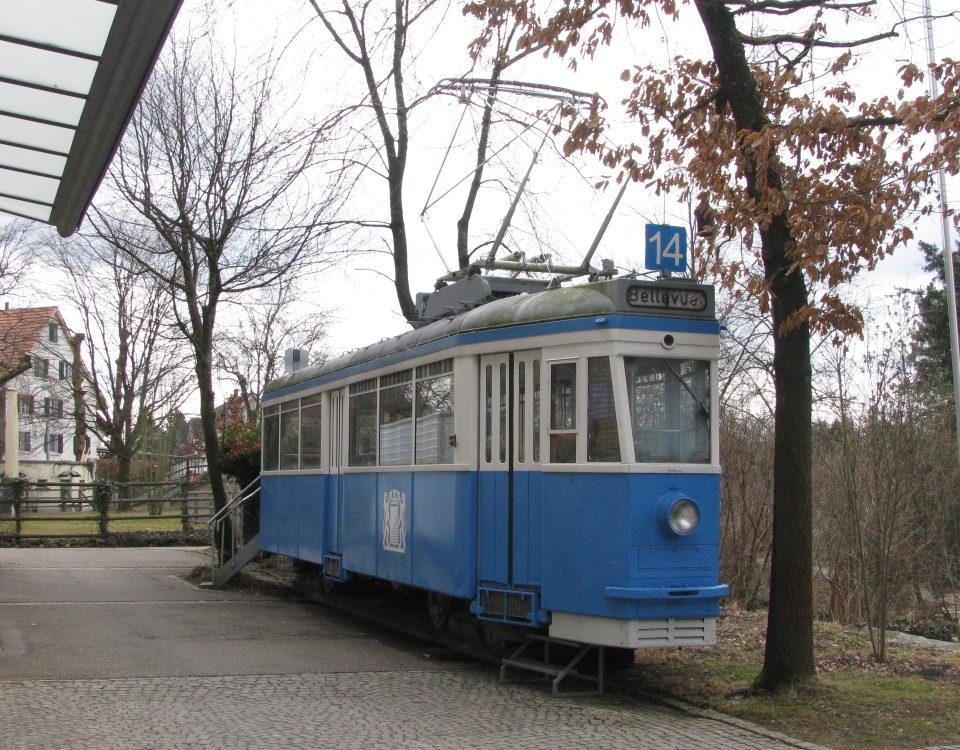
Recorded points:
(49, 510)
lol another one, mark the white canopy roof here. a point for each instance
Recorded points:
(71, 73)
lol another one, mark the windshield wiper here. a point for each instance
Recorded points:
(703, 407)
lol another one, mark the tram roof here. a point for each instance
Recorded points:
(584, 301)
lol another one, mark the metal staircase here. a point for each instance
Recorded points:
(230, 552)
(548, 667)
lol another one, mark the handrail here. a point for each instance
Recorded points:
(225, 547)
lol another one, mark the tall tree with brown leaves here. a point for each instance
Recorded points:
(768, 129)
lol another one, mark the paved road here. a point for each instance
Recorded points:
(108, 648)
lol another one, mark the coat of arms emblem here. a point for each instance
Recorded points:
(394, 521)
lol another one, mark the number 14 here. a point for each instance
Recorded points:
(673, 252)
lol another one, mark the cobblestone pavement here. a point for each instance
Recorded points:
(458, 710)
(109, 650)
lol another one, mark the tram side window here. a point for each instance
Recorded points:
(290, 435)
(503, 413)
(536, 411)
(603, 437)
(521, 410)
(434, 419)
(396, 419)
(310, 432)
(563, 413)
(488, 412)
(271, 438)
(363, 423)
(669, 409)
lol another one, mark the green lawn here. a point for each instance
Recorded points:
(86, 523)
(910, 701)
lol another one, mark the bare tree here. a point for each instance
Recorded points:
(17, 245)
(249, 353)
(133, 368)
(364, 35)
(214, 198)
(884, 474)
(18, 241)
(377, 41)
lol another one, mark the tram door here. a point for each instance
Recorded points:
(334, 510)
(509, 480)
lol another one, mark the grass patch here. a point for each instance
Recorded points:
(82, 524)
(195, 537)
(86, 523)
(912, 700)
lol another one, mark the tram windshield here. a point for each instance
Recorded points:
(669, 409)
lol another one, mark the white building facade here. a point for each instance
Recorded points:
(43, 401)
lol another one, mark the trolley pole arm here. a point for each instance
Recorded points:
(516, 199)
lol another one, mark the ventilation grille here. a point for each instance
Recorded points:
(507, 605)
(679, 631)
(333, 567)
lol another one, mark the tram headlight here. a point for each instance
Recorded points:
(678, 514)
(684, 516)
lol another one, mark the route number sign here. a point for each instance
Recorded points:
(666, 248)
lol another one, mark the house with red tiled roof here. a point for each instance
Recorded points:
(44, 407)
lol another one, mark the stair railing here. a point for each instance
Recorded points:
(226, 525)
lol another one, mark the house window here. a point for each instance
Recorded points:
(53, 407)
(25, 404)
(53, 333)
(41, 367)
(66, 370)
(55, 443)
(25, 442)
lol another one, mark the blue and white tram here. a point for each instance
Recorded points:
(549, 458)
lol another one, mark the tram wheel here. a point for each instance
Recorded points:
(439, 607)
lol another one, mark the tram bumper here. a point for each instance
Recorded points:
(657, 593)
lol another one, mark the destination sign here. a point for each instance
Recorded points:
(665, 298)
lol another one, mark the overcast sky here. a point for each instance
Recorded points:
(567, 209)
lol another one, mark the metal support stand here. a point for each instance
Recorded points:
(547, 670)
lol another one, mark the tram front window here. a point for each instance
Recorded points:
(669, 409)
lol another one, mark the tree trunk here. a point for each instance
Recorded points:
(788, 658)
(211, 440)
(463, 223)
(79, 403)
(789, 650)
(124, 460)
(398, 230)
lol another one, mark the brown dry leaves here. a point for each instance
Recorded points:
(850, 175)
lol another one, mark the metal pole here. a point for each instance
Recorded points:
(603, 227)
(516, 199)
(948, 272)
